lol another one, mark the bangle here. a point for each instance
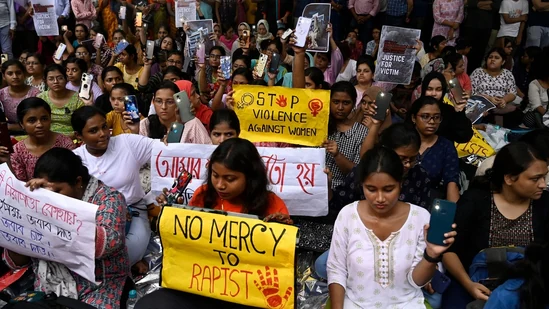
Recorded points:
(431, 259)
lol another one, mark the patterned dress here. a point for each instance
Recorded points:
(348, 144)
(10, 104)
(23, 162)
(450, 10)
(61, 116)
(111, 263)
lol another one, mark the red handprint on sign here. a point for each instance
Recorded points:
(269, 286)
(282, 101)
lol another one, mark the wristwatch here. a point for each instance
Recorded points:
(431, 259)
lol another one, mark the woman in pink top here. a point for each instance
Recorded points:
(84, 11)
(156, 126)
(15, 92)
(35, 117)
(448, 16)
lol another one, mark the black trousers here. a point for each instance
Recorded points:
(171, 299)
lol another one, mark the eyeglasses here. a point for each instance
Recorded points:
(427, 118)
(160, 102)
(215, 57)
(272, 51)
(56, 79)
(171, 61)
(82, 54)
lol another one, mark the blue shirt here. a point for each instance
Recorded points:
(440, 161)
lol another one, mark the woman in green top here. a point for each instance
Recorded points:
(63, 102)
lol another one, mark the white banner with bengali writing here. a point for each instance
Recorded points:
(46, 225)
(296, 174)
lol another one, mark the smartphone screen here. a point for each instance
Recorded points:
(138, 19)
(455, 88)
(130, 102)
(184, 106)
(5, 138)
(383, 101)
(122, 13)
(442, 218)
(225, 65)
(150, 50)
(201, 53)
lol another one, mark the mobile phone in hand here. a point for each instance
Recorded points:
(130, 102)
(383, 102)
(442, 218)
(456, 90)
(225, 65)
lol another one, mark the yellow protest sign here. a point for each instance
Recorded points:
(279, 114)
(476, 146)
(239, 260)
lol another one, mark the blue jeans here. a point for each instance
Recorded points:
(5, 41)
(537, 36)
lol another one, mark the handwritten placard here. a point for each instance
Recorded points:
(47, 226)
(184, 11)
(397, 55)
(45, 20)
(280, 114)
(296, 174)
(239, 260)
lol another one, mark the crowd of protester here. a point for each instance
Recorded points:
(383, 175)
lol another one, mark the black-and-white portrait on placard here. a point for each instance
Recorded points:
(318, 38)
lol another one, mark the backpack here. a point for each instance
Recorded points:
(492, 263)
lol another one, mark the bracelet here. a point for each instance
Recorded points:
(431, 259)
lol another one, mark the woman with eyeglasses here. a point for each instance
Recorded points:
(207, 74)
(35, 68)
(83, 53)
(157, 125)
(63, 102)
(437, 155)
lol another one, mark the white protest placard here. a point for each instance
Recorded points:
(47, 226)
(45, 20)
(296, 174)
(397, 55)
(184, 11)
(199, 32)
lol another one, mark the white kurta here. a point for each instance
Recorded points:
(375, 273)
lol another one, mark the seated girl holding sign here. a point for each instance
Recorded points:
(61, 171)
(237, 182)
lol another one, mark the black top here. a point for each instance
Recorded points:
(473, 223)
(455, 126)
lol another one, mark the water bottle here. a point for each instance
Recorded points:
(132, 299)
